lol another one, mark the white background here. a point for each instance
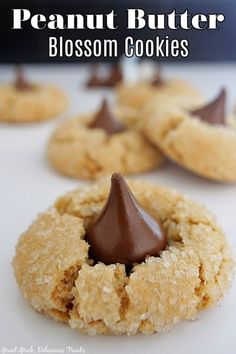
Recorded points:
(28, 186)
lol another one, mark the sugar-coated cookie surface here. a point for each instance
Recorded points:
(206, 149)
(77, 150)
(56, 276)
(40, 103)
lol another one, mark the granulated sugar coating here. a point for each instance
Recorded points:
(57, 278)
(208, 150)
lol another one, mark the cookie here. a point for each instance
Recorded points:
(23, 102)
(82, 149)
(137, 95)
(202, 140)
(161, 101)
(190, 268)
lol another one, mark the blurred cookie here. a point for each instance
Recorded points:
(161, 101)
(98, 144)
(190, 268)
(24, 102)
(139, 94)
(202, 140)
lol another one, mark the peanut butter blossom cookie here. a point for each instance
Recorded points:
(138, 95)
(202, 140)
(99, 144)
(123, 259)
(24, 102)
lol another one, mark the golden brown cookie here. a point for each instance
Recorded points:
(75, 149)
(138, 95)
(196, 144)
(56, 276)
(38, 103)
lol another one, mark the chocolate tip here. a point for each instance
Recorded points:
(105, 119)
(222, 92)
(213, 112)
(104, 107)
(119, 185)
(104, 103)
(117, 177)
(158, 77)
(221, 95)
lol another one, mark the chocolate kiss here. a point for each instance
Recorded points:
(20, 82)
(94, 80)
(124, 232)
(157, 80)
(105, 120)
(115, 76)
(214, 112)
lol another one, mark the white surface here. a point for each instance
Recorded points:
(29, 186)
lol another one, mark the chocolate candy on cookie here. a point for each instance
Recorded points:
(30, 102)
(113, 77)
(21, 82)
(94, 79)
(71, 263)
(213, 112)
(133, 233)
(158, 79)
(99, 144)
(202, 140)
(104, 119)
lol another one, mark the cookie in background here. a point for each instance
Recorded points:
(100, 143)
(23, 101)
(203, 139)
(137, 94)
